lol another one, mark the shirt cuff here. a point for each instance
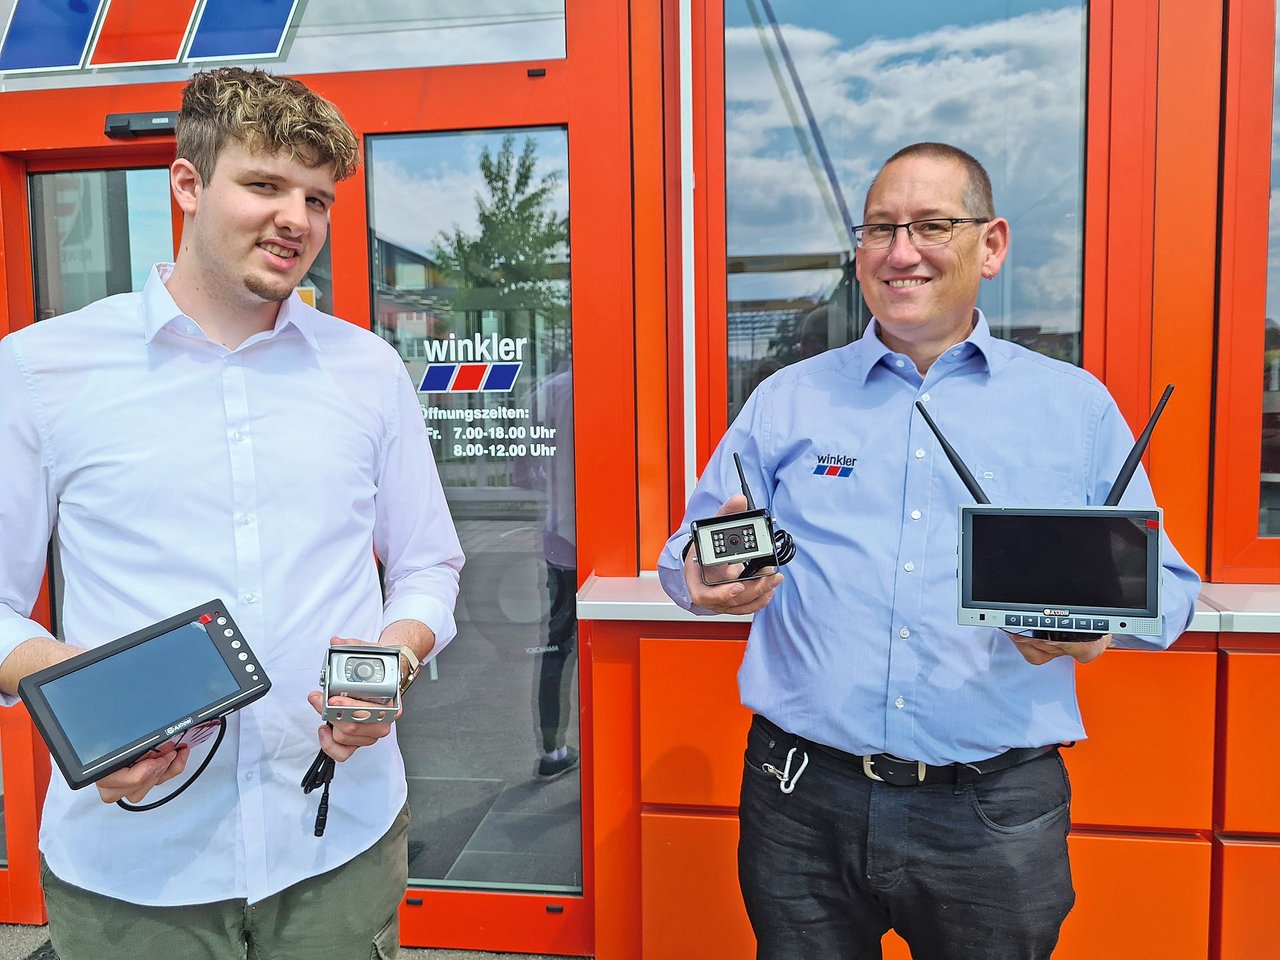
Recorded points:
(432, 613)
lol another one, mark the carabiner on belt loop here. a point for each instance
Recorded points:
(787, 782)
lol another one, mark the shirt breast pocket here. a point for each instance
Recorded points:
(1020, 486)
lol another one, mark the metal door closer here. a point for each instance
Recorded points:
(749, 537)
(1060, 573)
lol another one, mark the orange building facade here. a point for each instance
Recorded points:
(1176, 836)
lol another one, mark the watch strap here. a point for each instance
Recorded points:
(412, 660)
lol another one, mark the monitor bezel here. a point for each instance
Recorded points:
(79, 773)
(1150, 611)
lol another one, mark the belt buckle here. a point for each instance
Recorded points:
(897, 771)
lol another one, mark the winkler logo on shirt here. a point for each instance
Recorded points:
(834, 465)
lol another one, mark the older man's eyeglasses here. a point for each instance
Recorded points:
(923, 233)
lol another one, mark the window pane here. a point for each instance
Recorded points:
(1269, 514)
(818, 93)
(97, 233)
(471, 285)
(48, 45)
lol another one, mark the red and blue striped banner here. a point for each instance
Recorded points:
(57, 35)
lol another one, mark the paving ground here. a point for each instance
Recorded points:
(31, 943)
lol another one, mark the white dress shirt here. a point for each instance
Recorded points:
(173, 470)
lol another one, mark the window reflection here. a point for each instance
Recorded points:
(471, 286)
(819, 94)
(1269, 512)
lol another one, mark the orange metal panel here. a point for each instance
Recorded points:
(1185, 268)
(495, 921)
(651, 125)
(1129, 773)
(1097, 195)
(711, 284)
(692, 727)
(1237, 553)
(26, 779)
(1250, 926)
(1251, 744)
(615, 787)
(17, 304)
(1137, 897)
(1131, 177)
(692, 905)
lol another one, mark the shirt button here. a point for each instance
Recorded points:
(249, 775)
(238, 437)
(899, 703)
(246, 519)
(915, 514)
(904, 633)
(899, 363)
(250, 598)
(908, 566)
(919, 454)
(925, 398)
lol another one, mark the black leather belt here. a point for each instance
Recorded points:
(886, 768)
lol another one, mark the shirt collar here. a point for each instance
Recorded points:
(159, 310)
(980, 343)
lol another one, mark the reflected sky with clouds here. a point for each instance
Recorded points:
(423, 184)
(1003, 80)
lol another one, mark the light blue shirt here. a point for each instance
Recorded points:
(860, 647)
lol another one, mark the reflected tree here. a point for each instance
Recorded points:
(517, 259)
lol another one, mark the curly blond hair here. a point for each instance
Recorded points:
(267, 114)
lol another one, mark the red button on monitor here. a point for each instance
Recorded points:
(206, 617)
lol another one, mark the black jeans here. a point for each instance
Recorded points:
(562, 644)
(962, 872)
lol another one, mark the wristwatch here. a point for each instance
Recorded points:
(411, 674)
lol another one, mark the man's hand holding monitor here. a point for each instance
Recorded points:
(123, 708)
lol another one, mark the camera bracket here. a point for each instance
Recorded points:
(365, 672)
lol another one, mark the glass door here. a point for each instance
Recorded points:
(470, 268)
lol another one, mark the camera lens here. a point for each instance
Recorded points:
(364, 669)
(734, 540)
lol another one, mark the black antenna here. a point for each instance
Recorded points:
(1139, 447)
(954, 457)
(746, 491)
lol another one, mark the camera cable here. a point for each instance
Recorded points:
(143, 807)
(320, 774)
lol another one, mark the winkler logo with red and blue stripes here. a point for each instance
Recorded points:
(474, 364)
(44, 35)
(834, 465)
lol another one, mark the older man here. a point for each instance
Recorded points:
(855, 651)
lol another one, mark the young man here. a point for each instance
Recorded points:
(212, 436)
(859, 676)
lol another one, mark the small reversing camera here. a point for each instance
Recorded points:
(749, 538)
(361, 672)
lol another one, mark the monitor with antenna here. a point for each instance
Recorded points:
(1062, 573)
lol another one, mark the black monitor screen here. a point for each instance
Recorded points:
(1061, 560)
(122, 698)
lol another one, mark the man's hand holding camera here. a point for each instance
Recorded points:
(340, 739)
(728, 594)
